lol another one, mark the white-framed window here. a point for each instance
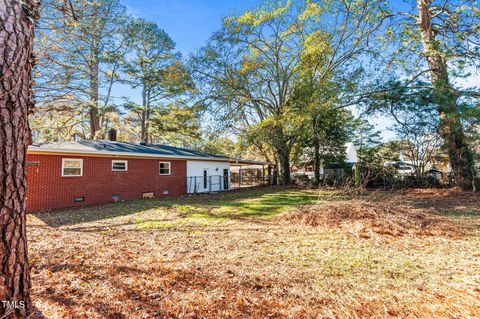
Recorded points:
(72, 167)
(165, 168)
(119, 166)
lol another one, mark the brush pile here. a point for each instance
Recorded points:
(365, 219)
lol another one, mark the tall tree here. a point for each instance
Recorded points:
(328, 125)
(153, 65)
(252, 68)
(436, 43)
(339, 38)
(450, 128)
(17, 22)
(79, 61)
(246, 73)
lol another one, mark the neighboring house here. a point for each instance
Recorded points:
(65, 174)
(308, 168)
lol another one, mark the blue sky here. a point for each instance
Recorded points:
(191, 22)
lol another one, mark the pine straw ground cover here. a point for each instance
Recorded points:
(261, 254)
(366, 219)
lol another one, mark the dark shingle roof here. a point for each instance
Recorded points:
(120, 148)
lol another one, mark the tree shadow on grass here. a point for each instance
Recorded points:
(253, 203)
(463, 207)
(73, 216)
(157, 292)
(460, 206)
(100, 307)
(36, 313)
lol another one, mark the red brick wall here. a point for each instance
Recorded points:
(47, 189)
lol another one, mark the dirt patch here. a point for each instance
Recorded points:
(365, 219)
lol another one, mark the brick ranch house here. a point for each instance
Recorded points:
(67, 174)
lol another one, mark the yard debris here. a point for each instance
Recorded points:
(364, 219)
(122, 261)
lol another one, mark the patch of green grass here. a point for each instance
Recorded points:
(261, 203)
(264, 205)
(153, 224)
(191, 210)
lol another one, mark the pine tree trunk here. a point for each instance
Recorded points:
(94, 96)
(142, 126)
(147, 123)
(450, 129)
(144, 117)
(94, 81)
(16, 102)
(316, 155)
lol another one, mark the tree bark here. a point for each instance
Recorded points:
(147, 118)
(275, 178)
(143, 117)
(450, 128)
(284, 159)
(316, 155)
(94, 80)
(17, 22)
(94, 96)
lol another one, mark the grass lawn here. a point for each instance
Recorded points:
(232, 256)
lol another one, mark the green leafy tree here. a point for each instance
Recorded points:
(251, 70)
(332, 66)
(215, 143)
(246, 73)
(416, 120)
(324, 142)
